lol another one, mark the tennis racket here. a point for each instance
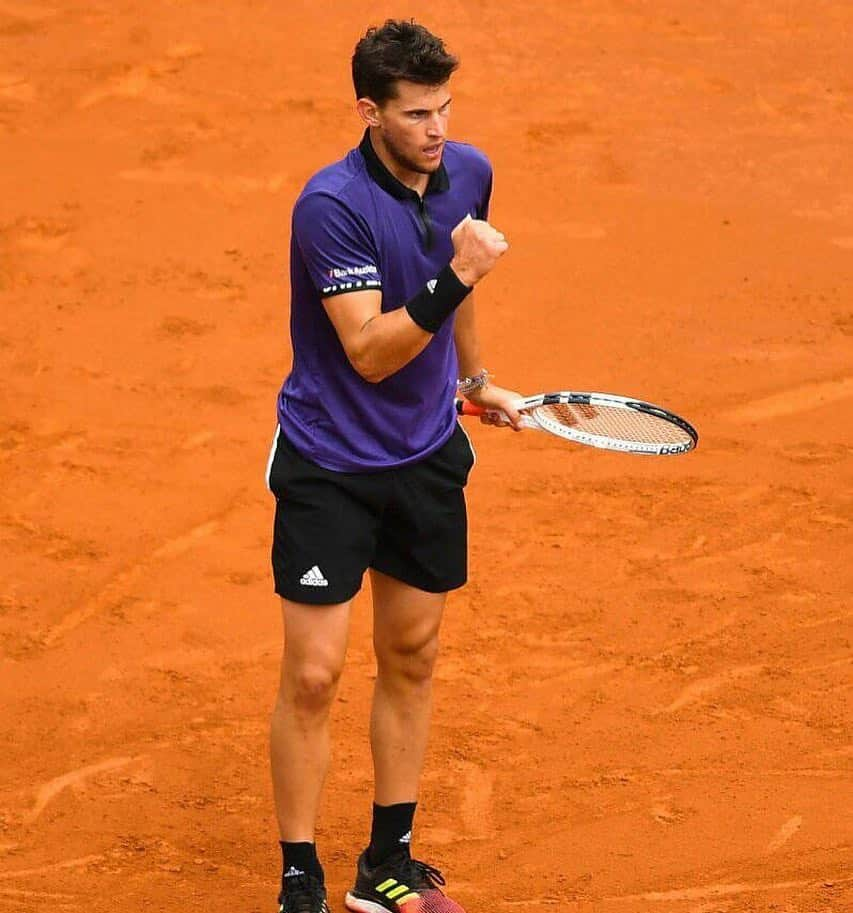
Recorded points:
(603, 420)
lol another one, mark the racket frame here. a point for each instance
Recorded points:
(532, 419)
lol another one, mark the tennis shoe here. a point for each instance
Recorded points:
(302, 893)
(399, 885)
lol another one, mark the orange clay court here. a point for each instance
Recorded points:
(643, 699)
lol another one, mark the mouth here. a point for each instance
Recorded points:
(433, 151)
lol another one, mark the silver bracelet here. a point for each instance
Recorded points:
(466, 385)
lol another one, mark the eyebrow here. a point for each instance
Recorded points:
(426, 110)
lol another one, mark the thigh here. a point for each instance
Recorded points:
(406, 620)
(315, 638)
(325, 528)
(423, 540)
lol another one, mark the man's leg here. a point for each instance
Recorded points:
(315, 638)
(422, 540)
(405, 637)
(406, 623)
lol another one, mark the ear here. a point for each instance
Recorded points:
(368, 111)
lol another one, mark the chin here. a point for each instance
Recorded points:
(419, 164)
(428, 165)
(421, 167)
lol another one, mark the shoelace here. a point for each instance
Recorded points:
(422, 874)
(302, 894)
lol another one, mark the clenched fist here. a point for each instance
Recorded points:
(477, 247)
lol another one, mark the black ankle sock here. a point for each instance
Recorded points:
(391, 831)
(300, 857)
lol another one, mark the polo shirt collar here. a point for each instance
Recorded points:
(438, 182)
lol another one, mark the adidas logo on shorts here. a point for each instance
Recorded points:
(314, 577)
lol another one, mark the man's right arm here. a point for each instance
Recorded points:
(378, 344)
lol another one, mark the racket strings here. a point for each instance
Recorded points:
(623, 424)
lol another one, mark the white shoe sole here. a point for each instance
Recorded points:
(360, 905)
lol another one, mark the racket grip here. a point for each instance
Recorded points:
(463, 407)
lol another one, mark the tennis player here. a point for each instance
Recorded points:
(369, 463)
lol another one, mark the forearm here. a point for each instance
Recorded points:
(386, 343)
(466, 339)
(502, 403)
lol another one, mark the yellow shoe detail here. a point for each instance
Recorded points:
(400, 889)
(407, 898)
(388, 883)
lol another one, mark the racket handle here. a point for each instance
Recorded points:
(463, 407)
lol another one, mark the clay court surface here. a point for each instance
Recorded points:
(643, 699)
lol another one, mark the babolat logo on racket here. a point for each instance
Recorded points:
(674, 448)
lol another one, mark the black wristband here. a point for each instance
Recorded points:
(432, 306)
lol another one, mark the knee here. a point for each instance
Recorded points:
(310, 687)
(409, 661)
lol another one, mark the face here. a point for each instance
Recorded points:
(413, 126)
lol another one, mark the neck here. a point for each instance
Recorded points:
(414, 180)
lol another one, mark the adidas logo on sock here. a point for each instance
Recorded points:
(406, 838)
(313, 577)
(292, 872)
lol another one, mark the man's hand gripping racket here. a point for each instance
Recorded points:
(599, 420)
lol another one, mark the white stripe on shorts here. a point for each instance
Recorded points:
(470, 444)
(272, 455)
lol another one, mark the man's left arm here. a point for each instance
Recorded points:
(490, 396)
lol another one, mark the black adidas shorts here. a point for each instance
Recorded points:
(409, 523)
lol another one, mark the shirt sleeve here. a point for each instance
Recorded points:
(336, 245)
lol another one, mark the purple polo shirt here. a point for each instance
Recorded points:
(355, 226)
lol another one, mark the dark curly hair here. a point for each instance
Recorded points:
(400, 49)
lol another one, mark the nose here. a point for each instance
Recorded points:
(436, 126)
